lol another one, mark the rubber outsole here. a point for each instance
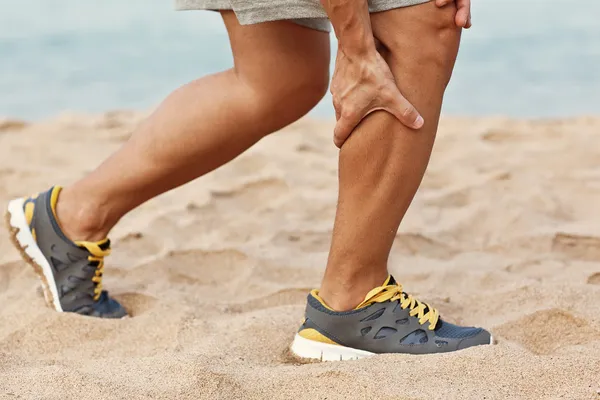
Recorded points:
(23, 240)
(313, 350)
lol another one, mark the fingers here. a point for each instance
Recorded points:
(344, 127)
(336, 107)
(405, 112)
(463, 13)
(395, 104)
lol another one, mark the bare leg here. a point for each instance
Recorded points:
(383, 162)
(281, 72)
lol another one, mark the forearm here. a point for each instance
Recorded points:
(351, 23)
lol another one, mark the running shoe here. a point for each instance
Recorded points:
(70, 272)
(387, 321)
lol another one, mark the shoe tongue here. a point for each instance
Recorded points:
(390, 281)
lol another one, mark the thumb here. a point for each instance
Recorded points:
(405, 112)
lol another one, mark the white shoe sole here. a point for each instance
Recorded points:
(31, 253)
(311, 349)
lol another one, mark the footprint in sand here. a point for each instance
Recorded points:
(594, 279)
(546, 331)
(579, 247)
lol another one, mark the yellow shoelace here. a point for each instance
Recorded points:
(421, 310)
(97, 255)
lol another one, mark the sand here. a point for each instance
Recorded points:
(504, 233)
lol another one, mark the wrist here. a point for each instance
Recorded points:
(357, 45)
(358, 53)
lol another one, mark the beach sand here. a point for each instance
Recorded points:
(504, 233)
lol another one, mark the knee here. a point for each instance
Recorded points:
(288, 97)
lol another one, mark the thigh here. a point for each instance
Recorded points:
(420, 44)
(275, 53)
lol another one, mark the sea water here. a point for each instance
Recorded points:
(522, 58)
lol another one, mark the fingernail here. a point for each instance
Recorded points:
(419, 122)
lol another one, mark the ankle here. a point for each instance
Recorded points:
(82, 218)
(340, 301)
(345, 294)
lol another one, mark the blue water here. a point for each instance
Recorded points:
(531, 58)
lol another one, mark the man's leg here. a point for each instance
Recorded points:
(382, 163)
(281, 72)
(381, 166)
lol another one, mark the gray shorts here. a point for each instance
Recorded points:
(308, 13)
